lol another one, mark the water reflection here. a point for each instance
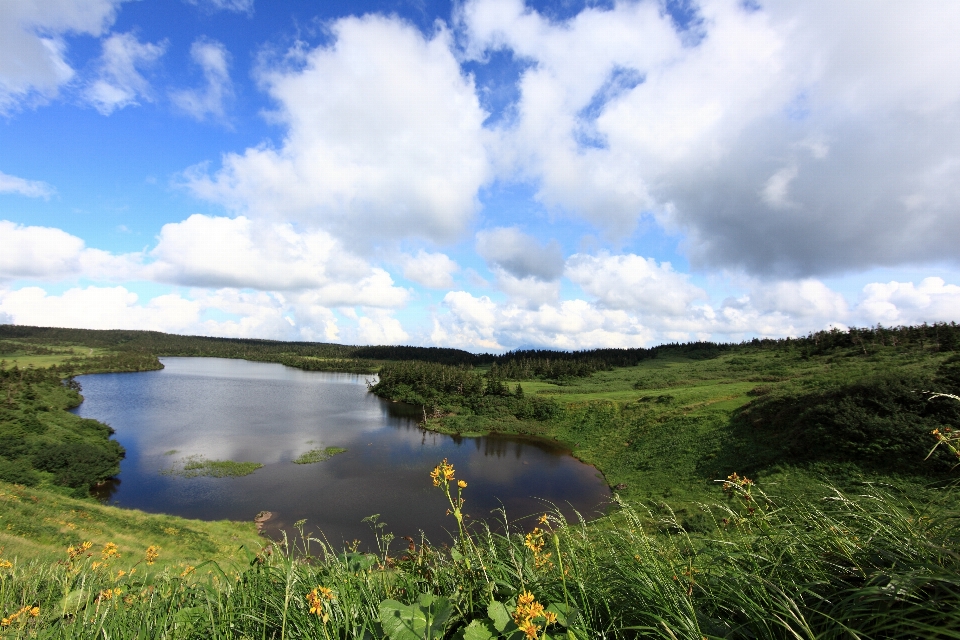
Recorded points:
(267, 413)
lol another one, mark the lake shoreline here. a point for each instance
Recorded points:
(508, 469)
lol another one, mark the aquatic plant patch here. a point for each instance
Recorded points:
(196, 466)
(318, 455)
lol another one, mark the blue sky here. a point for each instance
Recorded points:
(485, 174)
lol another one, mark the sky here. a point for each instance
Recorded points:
(482, 174)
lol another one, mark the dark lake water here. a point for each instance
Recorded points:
(237, 410)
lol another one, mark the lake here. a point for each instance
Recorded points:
(225, 409)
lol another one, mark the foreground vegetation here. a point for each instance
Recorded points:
(871, 565)
(832, 516)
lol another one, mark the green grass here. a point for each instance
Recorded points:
(870, 554)
(38, 525)
(197, 466)
(667, 429)
(866, 565)
(318, 455)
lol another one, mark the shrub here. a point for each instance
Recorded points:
(80, 465)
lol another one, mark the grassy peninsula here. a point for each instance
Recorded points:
(772, 489)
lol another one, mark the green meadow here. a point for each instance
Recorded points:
(773, 489)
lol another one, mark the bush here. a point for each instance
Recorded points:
(18, 472)
(882, 422)
(80, 465)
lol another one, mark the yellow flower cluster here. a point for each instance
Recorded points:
(32, 612)
(153, 552)
(735, 481)
(316, 601)
(75, 552)
(535, 542)
(110, 551)
(6, 564)
(108, 594)
(443, 473)
(528, 610)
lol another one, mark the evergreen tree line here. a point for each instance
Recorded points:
(440, 388)
(517, 365)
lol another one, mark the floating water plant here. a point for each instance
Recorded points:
(196, 466)
(318, 455)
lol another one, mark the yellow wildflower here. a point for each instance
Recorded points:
(108, 594)
(6, 564)
(528, 610)
(316, 601)
(534, 540)
(109, 551)
(443, 473)
(153, 552)
(462, 484)
(75, 552)
(27, 610)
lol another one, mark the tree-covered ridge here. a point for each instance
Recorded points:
(440, 389)
(40, 442)
(515, 365)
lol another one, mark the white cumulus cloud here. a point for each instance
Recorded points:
(218, 252)
(379, 327)
(98, 308)
(904, 303)
(119, 82)
(384, 138)
(789, 140)
(634, 283)
(434, 270)
(214, 59)
(520, 254)
(52, 254)
(33, 58)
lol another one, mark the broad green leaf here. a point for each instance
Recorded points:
(400, 621)
(437, 609)
(565, 614)
(72, 601)
(478, 630)
(498, 612)
(427, 618)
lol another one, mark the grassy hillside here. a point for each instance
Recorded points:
(775, 489)
(37, 524)
(791, 413)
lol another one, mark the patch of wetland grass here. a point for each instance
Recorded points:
(197, 466)
(318, 455)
